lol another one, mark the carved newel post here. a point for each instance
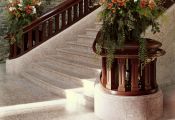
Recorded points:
(130, 77)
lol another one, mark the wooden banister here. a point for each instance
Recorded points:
(50, 24)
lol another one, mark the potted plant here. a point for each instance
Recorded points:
(128, 58)
(126, 20)
(19, 14)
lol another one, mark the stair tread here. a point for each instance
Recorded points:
(66, 60)
(56, 73)
(92, 29)
(79, 44)
(86, 36)
(81, 53)
(80, 91)
(68, 72)
(55, 82)
(72, 66)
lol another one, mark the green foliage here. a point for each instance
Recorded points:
(126, 20)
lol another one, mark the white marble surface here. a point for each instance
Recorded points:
(64, 111)
(112, 107)
(16, 90)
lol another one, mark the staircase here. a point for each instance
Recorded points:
(71, 72)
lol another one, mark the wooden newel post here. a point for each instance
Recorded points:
(129, 76)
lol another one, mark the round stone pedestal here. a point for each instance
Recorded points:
(113, 107)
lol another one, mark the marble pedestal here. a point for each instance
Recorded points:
(113, 107)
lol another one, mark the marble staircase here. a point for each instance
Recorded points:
(71, 72)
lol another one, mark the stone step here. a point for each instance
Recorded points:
(56, 80)
(76, 61)
(67, 77)
(79, 56)
(86, 39)
(73, 93)
(69, 69)
(79, 96)
(56, 74)
(92, 32)
(39, 81)
(80, 47)
(60, 109)
(20, 110)
(84, 64)
(72, 68)
(98, 25)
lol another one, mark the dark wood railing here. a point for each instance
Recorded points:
(50, 24)
(129, 76)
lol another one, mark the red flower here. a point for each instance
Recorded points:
(28, 9)
(143, 3)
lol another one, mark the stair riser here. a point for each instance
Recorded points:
(66, 60)
(91, 33)
(44, 85)
(94, 60)
(98, 26)
(88, 102)
(87, 41)
(80, 48)
(62, 58)
(75, 98)
(74, 69)
(57, 76)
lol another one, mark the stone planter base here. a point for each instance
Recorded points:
(113, 107)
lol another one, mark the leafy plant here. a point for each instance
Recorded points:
(19, 14)
(127, 20)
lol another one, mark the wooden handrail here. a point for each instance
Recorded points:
(58, 9)
(50, 24)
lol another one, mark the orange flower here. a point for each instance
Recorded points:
(114, 1)
(113, 11)
(110, 5)
(121, 2)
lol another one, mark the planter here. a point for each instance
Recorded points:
(128, 90)
(128, 76)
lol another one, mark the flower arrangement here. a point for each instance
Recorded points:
(20, 13)
(126, 20)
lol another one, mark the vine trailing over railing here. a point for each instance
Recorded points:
(50, 24)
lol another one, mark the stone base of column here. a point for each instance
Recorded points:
(113, 107)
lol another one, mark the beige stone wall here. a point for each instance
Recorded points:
(166, 63)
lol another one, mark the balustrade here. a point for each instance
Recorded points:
(50, 24)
